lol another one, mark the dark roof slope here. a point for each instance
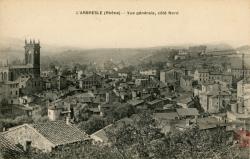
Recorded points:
(60, 133)
(6, 145)
(187, 112)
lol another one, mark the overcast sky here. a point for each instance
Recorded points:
(55, 22)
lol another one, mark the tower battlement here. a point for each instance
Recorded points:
(32, 53)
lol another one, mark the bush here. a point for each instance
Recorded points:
(8, 122)
(94, 124)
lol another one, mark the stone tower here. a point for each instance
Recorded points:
(32, 55)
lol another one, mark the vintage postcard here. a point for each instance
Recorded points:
(127, 79)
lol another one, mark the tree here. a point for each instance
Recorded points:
(195, 143)
(119, 111)
(141, 139)
(94, 124)
(9, 122)
(4, 102)
(132, 140)
(77, 151)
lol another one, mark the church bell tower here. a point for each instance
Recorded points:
(32, 55)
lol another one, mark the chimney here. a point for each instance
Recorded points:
(107, 97)
(68, 120)
(195, 119)
(187, 122)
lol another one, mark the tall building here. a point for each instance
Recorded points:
(243, 93)
(16, 80)
(30, 68)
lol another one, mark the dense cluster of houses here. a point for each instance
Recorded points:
(179, 97)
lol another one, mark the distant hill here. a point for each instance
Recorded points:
(244, 49)
(218, 47)
(12, 49)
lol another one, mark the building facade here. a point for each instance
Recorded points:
(91, 81)
(31, 66)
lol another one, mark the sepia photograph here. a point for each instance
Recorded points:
(128, 79)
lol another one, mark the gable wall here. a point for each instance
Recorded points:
(25, 133)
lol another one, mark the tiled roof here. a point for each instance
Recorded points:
(85, 99)
(168, 106)
(155, 101)
(184, 97)
(60, 133)
(187, 111)
(102, 133)
(185, 100)
(135, 102)
(209, 122)
(166, 116)
(203, 70)
(90, 95)
(6, 145)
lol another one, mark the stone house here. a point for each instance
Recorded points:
(91, 81)
(187, 112)
(135, 102)
(170, 76)
(58, 110)
(155, 104)
(149, 72)
(201, 75)
(213, 96)
(9, 91)
(30, 85)
(237, 73)
(213, 101)
(58, 82)
(186, 83)
(45, 136)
